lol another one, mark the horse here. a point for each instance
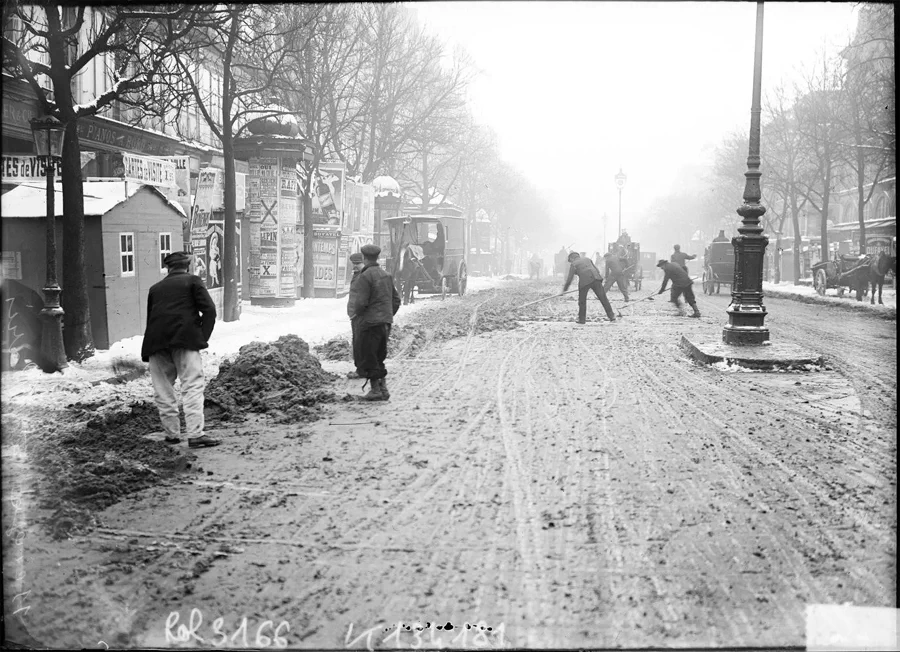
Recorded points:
(407, 269)
(879, 267)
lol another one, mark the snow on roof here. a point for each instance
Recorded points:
(100, 197)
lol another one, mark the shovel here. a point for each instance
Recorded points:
(552, 296)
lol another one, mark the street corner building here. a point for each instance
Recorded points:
(129, 229)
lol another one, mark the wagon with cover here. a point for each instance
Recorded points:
(427, 253)
(630, 256)
(718, 266)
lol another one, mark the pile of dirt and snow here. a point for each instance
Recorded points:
(406, 340)
(87, 462)
(280, 378)
(337, 348)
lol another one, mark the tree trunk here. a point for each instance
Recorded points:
(861, 196)
(77, 334)
(826, 199)
(798, 239)
(776, 260)
(231, 305)
(308, 269)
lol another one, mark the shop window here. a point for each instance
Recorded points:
(165, 248)
(126, 254)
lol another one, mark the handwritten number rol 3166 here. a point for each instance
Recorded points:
(184, 633)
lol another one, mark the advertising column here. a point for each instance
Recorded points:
(273, 217)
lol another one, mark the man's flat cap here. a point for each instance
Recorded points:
(661, 263)
(177, 258)
(356, 257)
(370, 251)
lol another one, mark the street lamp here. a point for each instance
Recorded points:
(746, 314)
(620, 183)
(49, 134)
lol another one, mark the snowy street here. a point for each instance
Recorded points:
(565, 485)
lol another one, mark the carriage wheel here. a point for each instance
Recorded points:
(820, 282)
(461, 279)
(705, 283)
(445, 287)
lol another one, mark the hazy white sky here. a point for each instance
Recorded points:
(577, 89)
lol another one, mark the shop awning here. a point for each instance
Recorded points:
(871, 224)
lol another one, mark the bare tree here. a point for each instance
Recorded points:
(47, 41)
(405, 83)
(869, 146)
(247, 46)
(323, 72)
(786, 165)
(818, 122)
(438, 151)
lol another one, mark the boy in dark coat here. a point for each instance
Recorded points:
(356, 259)
(374, 301)
(180, 319)
(589, 278)
(681, 284)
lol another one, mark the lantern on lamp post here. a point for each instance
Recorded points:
(49, 133)
(620, 183)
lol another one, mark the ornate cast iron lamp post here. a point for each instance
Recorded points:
(620, 183)
(49, 133)
(746, 314)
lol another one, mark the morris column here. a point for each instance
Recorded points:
(274, 209)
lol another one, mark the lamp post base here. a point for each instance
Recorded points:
(53, 352)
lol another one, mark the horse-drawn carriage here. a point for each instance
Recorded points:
(855, 272)
(718, 266)
(629, 254)
(427, 252)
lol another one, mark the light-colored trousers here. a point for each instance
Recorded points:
(186, 365)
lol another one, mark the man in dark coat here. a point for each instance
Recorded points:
(589, 278)
(356, 259)
(180, 319)
(681, 285)
(615, 273)
(681, 258)
(374, 301)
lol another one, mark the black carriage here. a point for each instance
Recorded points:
(718, 266)
(842, 272)
(427, 253)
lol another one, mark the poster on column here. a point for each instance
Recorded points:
(268, 261)
(288, 262)
(330, 192)
(326, 243)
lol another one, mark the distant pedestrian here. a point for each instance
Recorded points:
(373, 301)
(356, 259)
(589, 278)
(534, 267)
(615, 273)
(681, 258)
(681, 285)
(180, 320)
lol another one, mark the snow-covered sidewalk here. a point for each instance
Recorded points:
(313, 320)
(808, 294)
